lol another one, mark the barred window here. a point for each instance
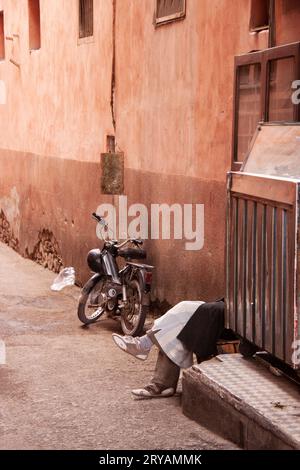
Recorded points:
(169, 10)
(2, 43)
(86, 18)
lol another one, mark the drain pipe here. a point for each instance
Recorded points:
(113, 71)
(272, 24)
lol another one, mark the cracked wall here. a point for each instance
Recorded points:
(7, 235)
(46, 251)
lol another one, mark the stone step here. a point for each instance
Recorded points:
(244, 402)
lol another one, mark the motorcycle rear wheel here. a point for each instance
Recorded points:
(133, 316)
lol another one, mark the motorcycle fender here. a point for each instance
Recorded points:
(91, 282)
(146, 287)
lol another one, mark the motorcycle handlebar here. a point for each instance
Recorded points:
(129, 240)
(101, 220)
(96, 217)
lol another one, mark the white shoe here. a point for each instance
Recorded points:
(131, 346)
(153, 391)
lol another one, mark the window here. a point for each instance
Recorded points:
(263, 92)
(169, 10)
(2, 42)
(259, 15)
(86, 18)
(282, 73)
(249, 105)
(34, 24)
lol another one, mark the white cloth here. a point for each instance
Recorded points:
(167, 327)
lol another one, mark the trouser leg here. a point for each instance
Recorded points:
(166, 372)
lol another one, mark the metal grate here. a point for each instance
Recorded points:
(261, 272)
(271, 402)
(86, 18)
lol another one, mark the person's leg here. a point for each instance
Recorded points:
(164, 381)
(173, 320)
(166, 373)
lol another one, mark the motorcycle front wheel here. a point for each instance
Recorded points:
(134, 314)
(90, 307)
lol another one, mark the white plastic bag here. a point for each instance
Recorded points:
(65, 278)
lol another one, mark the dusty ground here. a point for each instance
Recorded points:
(68, 387)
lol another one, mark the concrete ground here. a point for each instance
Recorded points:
(68, 387)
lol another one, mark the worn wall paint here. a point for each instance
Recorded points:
(11, 208)
(174, 85)
(46, 251)
(173, 115)
(58, 101)
(7, 234)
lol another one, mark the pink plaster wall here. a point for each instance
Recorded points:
(58, 100)
(287, 21)
(175, 83)
(173, 107)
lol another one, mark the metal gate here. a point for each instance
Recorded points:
(263, 261)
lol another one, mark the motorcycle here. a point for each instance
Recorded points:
(122, 293)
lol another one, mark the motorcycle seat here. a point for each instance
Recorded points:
(131, 253)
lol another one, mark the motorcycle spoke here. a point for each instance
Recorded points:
(93, 304)
(96, 313)
(131, 313)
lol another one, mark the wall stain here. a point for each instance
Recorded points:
(6, 233)
(46, 252)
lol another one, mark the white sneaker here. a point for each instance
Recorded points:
(131, 346)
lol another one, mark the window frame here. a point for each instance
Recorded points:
(168, 19)
(263, 58)
(257, 29)
(86, 39)
(32, 46)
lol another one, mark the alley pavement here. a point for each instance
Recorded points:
(65, 386)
